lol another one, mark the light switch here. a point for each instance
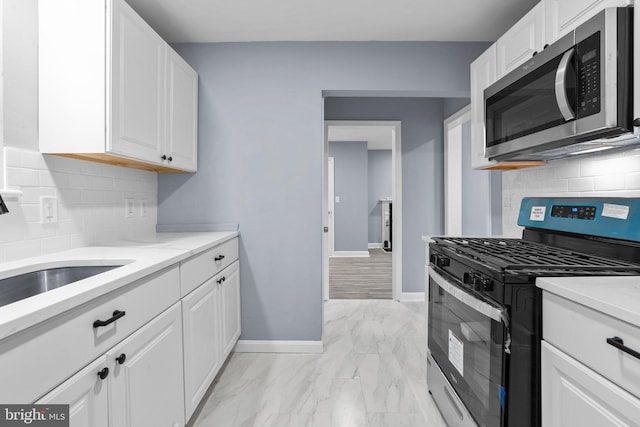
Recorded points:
(48, 210)
(129, 208)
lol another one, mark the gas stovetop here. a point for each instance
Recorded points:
(516, 256)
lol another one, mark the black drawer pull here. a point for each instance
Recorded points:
(222, 279)
(103, 373)
(618, 343)
(116, 315)
(120, 359)
(219, 258)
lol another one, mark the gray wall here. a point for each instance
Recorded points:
(379, 188)
(260, 157)
(350, 184)
(422, 169)
(453, 105)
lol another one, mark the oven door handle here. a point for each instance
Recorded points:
(466, 298)
(561, 86)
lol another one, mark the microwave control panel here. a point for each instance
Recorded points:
(588, 76)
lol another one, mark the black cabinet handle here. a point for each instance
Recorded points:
(104, 373)
(120, 359)
(618, 343)
(535, 52)
(545, 46)
(220, 280)
(163, 157)
(219, 258)
(170, 158)
(116, 315)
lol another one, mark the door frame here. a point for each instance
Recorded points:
(396, 195)
(331, 206)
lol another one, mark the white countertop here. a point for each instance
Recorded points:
(141, 257)
(618, 297)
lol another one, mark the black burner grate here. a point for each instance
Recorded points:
(518, 255)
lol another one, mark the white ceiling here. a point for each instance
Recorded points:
(377, 137)
(330, 20)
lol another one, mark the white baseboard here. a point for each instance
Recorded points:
(375, 246)
(351, 254)
(412, 296)
(256, 346)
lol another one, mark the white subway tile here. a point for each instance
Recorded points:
(568, 169)
(32, 160)
(33, 194)
(31, 212)
(581, 184)
(20, 177)
(632, 181)
(70, 196)
(609, 182)
(93, 197)
(56, 244)
(45, 179)
(22, 249)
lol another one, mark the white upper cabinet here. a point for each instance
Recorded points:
(182, 113)
(521, 41)
(122, 95)
(562, 16)
(483, 75)
(137, 78)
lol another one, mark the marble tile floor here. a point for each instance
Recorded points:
(371, 374)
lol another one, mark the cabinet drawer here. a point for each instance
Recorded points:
(574, 395)
(38, 359)
(195, 271)
(582, 333)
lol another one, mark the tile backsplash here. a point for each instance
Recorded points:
(90, 198)
(613, 175)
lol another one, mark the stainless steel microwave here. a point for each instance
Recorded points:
(574, 97)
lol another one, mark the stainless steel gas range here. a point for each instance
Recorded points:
(484, 314)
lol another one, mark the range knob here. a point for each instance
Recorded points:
(483, 284)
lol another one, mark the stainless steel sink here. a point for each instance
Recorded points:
(15, 288)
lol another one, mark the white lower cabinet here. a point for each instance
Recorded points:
(86, 393)
(574, 395)
(146, 387)
(230, 307)
(202, 354)
(211, 325)
(137, 383)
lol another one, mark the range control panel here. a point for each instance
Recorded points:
(611, 217)
(575, 212)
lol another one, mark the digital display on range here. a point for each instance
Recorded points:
(574, 212)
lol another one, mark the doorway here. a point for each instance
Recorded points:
(370, 257)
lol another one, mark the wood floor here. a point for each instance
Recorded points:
(361, 278)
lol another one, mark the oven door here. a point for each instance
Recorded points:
(467, 340)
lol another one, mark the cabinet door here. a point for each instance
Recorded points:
(147, 374)
(563, 16)
(574, 395)
(520, 42)
(201, 323)
(230, 303)
(137, 87)
(182, 113)
(86, 394)
(483, 74)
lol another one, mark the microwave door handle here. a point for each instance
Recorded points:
(561, 87)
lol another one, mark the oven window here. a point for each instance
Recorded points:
(529, 105)
(469, 348)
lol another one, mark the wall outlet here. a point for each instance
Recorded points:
(337, 199)
(144, 207)
(48, 210)
(129, 208)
